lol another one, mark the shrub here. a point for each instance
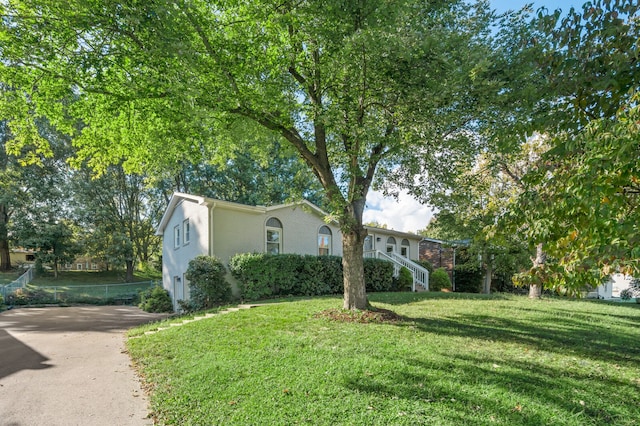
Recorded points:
(378, 275)
(468, 278)
(404, 281)
(207, 282)
(425, 264)
(439, 280)
(263, 275)
(29, 296)
(626, 294)
(155, 299)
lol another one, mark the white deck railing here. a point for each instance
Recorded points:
(420, 274)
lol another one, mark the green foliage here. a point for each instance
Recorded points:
(404, 280)
(207, 282)
(469, 278)
(155, 299)
(425, 264)
(263, 275)
(439, 280)
(360, 90)
(378, 275)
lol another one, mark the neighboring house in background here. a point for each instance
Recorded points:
(439, 253)
(194, 225)
(612, 288)
(26, 257)
(21, 257)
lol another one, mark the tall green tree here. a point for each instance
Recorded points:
(361, 89)
(118, 211)
(582, 198)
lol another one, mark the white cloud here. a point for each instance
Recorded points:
(406, 214)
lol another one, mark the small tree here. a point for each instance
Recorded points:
(207, 282)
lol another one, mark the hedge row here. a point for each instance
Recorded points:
(262, 275)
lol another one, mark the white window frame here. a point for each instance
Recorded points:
(176, 237)
(79, 266)
(405, 249)
(268, 242)
(186, 232)
(325, 237)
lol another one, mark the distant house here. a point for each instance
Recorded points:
(194, 225)
(612, 288)
(26, 257)
(439, 253)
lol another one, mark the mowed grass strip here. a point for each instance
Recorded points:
(449, 360)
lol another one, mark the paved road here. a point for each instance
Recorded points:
(68, 366)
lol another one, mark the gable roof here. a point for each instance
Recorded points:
(213, 203)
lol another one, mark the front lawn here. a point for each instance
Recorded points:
(449, 360)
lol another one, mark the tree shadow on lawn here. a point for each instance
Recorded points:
(548, 333)
(523, 392)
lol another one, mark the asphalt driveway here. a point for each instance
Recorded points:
(68, 366)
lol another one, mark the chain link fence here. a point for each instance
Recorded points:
(95, 294)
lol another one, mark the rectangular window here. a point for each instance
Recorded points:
(94, 266)
(404, 251)
(79, 266)
(324, 245)
(185, 232)
(273, 241)
(176, 236)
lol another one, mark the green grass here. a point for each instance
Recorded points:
(453, 359)
(69, 278)
(82, 287)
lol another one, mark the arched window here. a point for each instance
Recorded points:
(273, 236)
(404, 248)
(324, 241)
(391, 245)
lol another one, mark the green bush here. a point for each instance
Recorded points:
(425, 264)
(155, 299)
(404, 282)
(439, 280)
(468, 278)
(207, 282)
(378, 275)
(263, 275)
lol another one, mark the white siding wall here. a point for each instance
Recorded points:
(175, 260)
(300, 231)
(237, 232)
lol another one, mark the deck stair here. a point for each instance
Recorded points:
(420, 274)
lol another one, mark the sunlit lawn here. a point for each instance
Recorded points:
(450, 361)
(82, 286)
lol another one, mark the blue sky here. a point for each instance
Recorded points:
(504, 5)
(407, 214)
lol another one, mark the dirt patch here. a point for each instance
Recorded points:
(377, 316)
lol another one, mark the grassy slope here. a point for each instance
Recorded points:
(500, 360)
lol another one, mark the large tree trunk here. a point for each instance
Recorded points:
(5, 256)
(353, 235)
(535, 290)
(129, 265)
(355, 295)
(486, 288)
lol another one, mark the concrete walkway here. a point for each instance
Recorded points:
(68, 366)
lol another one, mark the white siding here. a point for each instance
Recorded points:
(175, 260)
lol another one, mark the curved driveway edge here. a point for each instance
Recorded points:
(68, 366)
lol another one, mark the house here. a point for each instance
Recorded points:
(24, 258)
(194, 225)
(439, 253)
(612, 288)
